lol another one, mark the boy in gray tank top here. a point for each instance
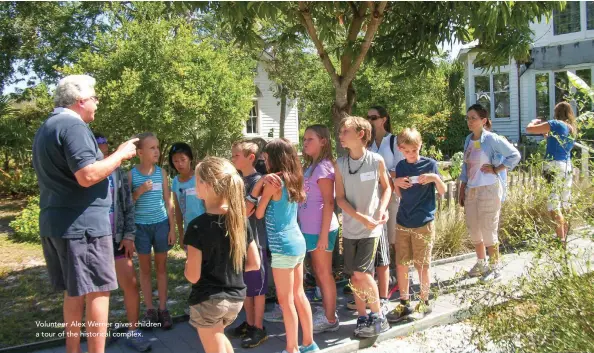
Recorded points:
(363, 193)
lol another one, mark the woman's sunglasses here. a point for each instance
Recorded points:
(373, 117)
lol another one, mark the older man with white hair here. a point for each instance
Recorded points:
(74, 210)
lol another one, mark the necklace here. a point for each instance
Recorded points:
(349, 164)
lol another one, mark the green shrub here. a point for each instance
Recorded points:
(26, 225)
(19, 182)
(550, 309)
(456, 166)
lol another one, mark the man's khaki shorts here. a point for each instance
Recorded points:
(414, 245)
(213, 312)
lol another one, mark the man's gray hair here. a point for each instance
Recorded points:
(72, 88)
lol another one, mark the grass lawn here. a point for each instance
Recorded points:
(26, 295)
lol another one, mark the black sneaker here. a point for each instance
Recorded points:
(254, 337)
(376, 325)
(165, 319)
(150, 320)
(400, 313)
(240, 331)
(361, 324)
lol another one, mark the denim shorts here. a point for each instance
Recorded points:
(152, 236)
(286, 261)
(311, 240)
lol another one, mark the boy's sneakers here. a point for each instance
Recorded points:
(135, 340)
(239, 331)
(375, 326)
(321, 324)
(165, 319)
(361, 324)
(254, 337)
(314, 296)
(149, 320)
(479, 269)
(400, 313)
(276, 315)
(311, 348)
(421, 311)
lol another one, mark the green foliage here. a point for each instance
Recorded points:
(38, 36)
(456, 166)
(443, 131)
(154, 75)
(26, 225)
(18, 182)
(20, 117)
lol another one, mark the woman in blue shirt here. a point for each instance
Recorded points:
(560, 133)
(487, 156)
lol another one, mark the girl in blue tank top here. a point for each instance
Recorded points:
(185, 198)
(155, 227)
(281, 192)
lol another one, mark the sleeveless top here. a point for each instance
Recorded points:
(190, 205)
(362, 191)
(150, 206)
(284, 235)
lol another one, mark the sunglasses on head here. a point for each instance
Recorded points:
(373, 117)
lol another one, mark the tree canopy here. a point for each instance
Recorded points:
(154, 75)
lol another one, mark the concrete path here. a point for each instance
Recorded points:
(447, 278)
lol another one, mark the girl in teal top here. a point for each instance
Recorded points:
(185, 198)
(281, 192)
(155, 227)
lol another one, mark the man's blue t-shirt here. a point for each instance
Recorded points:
(559, 142)
(63, 145)
(417, 205)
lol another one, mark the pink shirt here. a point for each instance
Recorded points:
(310, 211)
(475, 158)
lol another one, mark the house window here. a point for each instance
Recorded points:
(568, 20)
(561, 86)
(251, 126)
(543, 110)
(482, 88)
(590, 14)
(492, 92)
(501, 95)
(584, 104)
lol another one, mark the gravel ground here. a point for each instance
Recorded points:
(453, 338)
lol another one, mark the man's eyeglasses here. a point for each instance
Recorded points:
(373, 117)
(94, 98)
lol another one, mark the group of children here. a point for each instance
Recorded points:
(231, 215)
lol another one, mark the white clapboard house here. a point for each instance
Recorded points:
(517, 93)
(264, 117)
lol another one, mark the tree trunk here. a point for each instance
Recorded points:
(283, 111)
(342, 107)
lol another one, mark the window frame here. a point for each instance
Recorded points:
(255, 124)
(556, 15)
(492, 93)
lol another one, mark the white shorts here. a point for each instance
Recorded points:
(561, 180)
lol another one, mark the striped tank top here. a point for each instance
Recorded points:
(150, 206)
(284, 235)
